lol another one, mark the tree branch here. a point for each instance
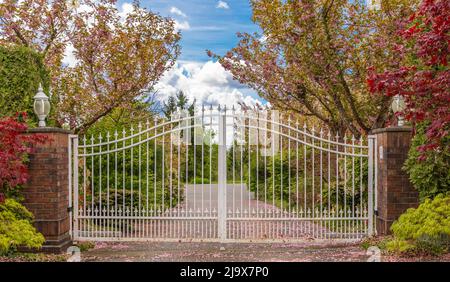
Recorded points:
(17, 32)
(337, 101)
(52, 37)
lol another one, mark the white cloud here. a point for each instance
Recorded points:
(127, 8)
(263, 39)
(69, 57)
(176, 11)
(374, 4)
(208, 83)
(182, 25)
(222, 5)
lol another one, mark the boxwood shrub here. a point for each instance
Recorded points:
(16, 228)
(425, 229)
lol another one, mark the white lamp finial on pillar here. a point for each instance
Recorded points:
(398, 106)
(41, 106)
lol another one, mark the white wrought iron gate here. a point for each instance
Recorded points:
(220, 175)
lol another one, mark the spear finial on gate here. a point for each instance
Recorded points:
(140, 127)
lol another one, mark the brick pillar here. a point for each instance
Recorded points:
(395, 194)
(46, 193)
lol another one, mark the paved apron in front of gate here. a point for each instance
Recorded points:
(238, 197)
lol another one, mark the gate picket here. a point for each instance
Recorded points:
(265, 180)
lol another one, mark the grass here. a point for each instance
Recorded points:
(86, 245)
(379, 242)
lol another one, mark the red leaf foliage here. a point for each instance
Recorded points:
(14, 148)
(424, 77)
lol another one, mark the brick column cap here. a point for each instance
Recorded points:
(392, 129)
(48, 130)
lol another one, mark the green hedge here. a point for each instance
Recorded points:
(21, 71)
(429, 176)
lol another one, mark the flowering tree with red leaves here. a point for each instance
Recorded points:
(14, 148)
(423, 76)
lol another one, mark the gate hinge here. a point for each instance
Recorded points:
(375, 212)
(70, 209)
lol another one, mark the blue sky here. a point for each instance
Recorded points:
(211, 26)
(204, 25)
